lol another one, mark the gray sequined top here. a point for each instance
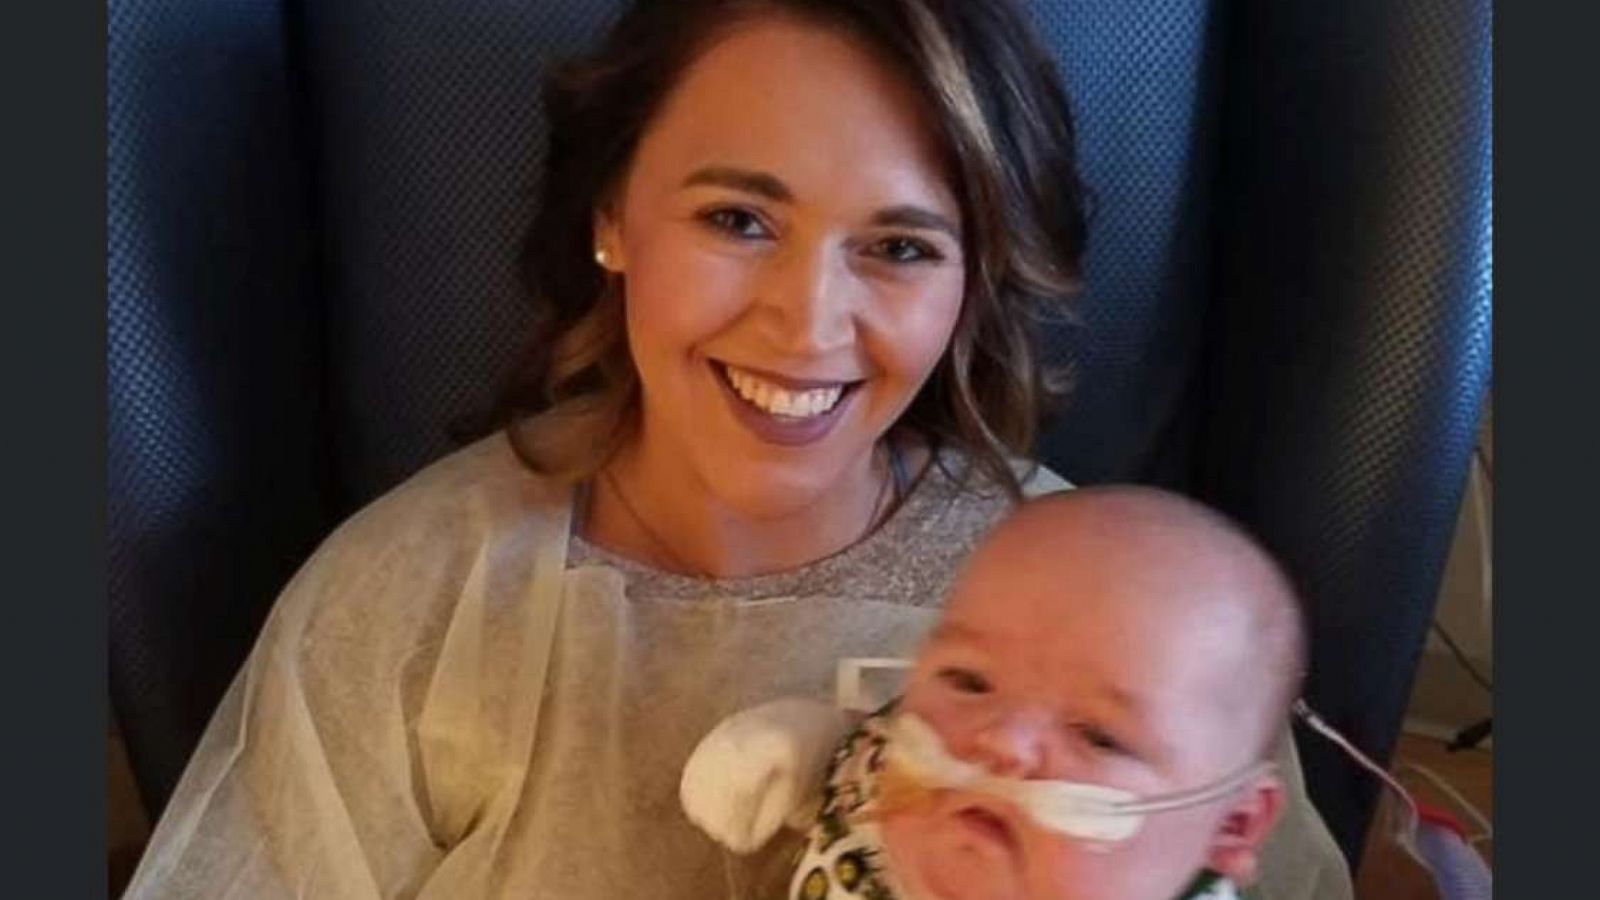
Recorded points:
(909, 559)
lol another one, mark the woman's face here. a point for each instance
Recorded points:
(791, 258)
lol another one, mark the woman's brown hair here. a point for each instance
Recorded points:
(1003, 116)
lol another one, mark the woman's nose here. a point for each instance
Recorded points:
(1013, 744)
(807, 291)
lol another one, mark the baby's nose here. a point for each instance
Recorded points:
(1013, 745)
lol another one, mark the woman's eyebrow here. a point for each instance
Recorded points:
(748, 180)
(915, 217)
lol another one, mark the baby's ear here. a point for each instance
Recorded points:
(1235, 848)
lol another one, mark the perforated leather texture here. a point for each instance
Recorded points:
(215, 363)
(1350, 334)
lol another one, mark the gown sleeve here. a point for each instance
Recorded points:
(375, 743)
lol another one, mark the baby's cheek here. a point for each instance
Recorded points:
(945, 717)
(1154, 864)
(1064, 868)
(932, 857)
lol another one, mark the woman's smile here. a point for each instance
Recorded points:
(784, 410)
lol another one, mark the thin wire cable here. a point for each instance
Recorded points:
(1438, 781)
(1405, 830)
(730, 875)
(1461, 657)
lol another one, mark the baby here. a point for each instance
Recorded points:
(1093, 717)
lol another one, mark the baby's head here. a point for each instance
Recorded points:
(1123, 637)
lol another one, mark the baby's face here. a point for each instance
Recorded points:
(1082, 670)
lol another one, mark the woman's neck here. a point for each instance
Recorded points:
(652, 507)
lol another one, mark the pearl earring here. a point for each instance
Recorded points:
(602, 258)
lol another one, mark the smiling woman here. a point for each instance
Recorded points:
(819, 255)
(784, 272)
(788, 259)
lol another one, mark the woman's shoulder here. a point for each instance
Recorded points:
(459, 497)
(476, 515)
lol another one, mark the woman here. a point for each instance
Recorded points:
(791, 250)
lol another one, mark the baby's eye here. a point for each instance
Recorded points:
(1100, 740)
(905, 250)
(965, 680)
(735, 221)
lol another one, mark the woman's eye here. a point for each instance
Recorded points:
(906, 250)
(737, 222)
(965, 680)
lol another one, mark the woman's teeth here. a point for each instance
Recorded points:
(779, 401)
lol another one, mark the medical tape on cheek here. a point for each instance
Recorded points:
(1088, 812)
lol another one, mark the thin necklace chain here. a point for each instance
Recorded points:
(683, 565)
